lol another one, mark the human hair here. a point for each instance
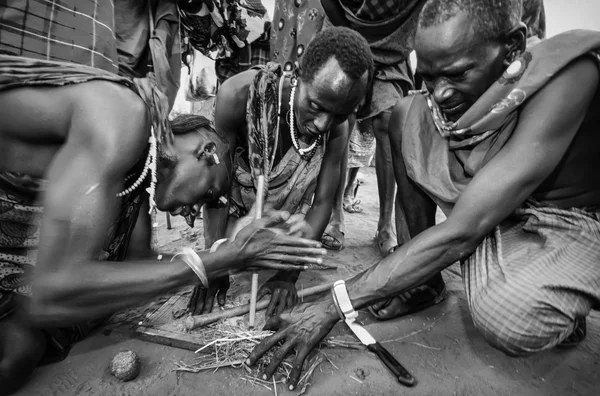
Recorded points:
(348, 47)
(491, 18)
(186, 123)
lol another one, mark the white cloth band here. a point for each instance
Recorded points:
(217, 244)
(191, 258)
(342, 301)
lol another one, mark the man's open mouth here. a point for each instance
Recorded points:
(189, 213)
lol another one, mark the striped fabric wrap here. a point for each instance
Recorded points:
(533, 276)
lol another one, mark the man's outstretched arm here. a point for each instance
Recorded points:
(546, 128)
(70, 284)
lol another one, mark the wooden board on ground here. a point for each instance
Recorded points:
(156, 323)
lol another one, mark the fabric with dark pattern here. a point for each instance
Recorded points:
(295, 23)
(254, 54)
(291, 182)
(442, 157)
(237, 31)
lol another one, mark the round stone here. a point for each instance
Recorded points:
(125, 365)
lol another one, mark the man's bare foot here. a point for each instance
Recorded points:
(386, 240)
(352, 205)
(417, 299)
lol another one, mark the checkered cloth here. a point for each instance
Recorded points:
(254, 54)
(533, 276)
(374, 10)
(79, 31)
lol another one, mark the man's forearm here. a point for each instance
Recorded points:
(94, 289)
(412, 264)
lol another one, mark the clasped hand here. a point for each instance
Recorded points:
(267, 243)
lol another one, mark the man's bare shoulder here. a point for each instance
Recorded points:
(230, 106)
(234, 90)
(112, 122)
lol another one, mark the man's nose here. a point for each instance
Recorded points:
(442, 91)
(323, 122)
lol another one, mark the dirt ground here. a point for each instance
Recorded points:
(439, 346)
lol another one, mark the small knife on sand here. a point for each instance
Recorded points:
(347, 312)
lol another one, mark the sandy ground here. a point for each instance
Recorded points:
(439, 346)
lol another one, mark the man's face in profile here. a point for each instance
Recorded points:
(457, 66)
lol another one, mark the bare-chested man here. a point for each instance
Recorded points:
(79, 145)
(503, 141)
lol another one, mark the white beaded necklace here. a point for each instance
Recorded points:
(149, 166)
(303, 151)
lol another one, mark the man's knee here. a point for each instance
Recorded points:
(16, 367)
(13, 375)
(519, 325)
(21, 349)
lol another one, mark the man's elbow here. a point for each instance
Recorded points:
(465, 239)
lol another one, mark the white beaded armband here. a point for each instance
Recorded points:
(191, 258)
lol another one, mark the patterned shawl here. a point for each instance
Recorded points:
(442, 157)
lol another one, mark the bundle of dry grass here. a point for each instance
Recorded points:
(229, 346)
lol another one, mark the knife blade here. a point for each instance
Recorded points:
(401, 373)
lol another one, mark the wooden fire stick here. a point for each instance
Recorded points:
(258, 204)
(193, 322)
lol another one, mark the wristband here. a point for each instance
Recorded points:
(218, 243)
(191, 258)
(342, 301)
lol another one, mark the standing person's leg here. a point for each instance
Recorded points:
(415, 213)
(386, 184)
(351, 204)
(334, 235)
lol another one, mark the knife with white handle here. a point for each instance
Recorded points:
(349, 315)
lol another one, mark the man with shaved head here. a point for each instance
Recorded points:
(500, 140)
